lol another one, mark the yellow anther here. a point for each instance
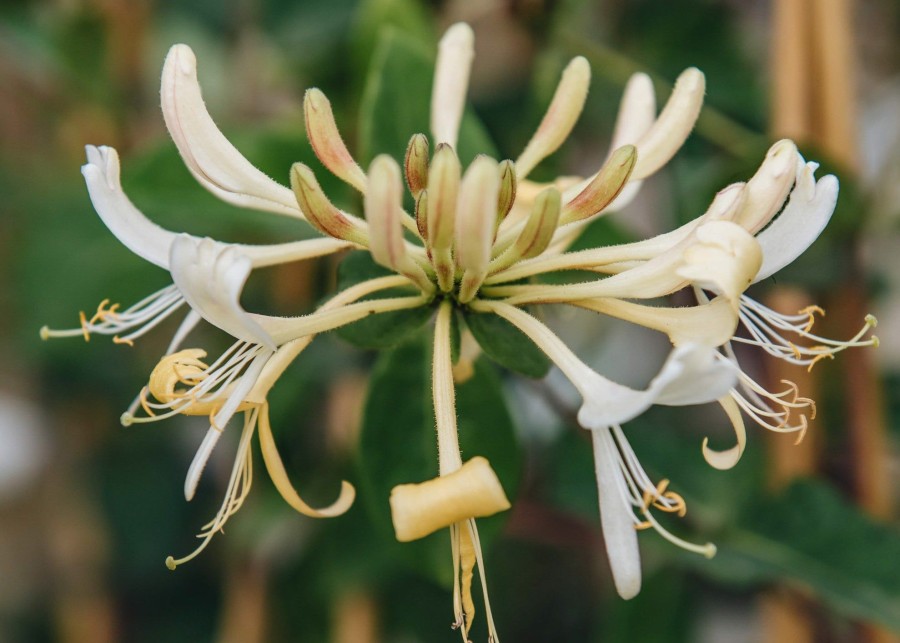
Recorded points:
(212, 420)
(795, 350)
(641, 526)
(84, 326)
(119, 340)
(875, 341)
(802, 432)
(655, 498)
(170, 563)
(818, 358)
(142, 397)
(810, 312)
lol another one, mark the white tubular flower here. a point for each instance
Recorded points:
(476, 217)
(213, 161)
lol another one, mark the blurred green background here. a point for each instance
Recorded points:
(89, 510)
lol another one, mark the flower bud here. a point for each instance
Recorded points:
(443, 192)
(326, 140)
(415, 164)
(564, 110)
(508, 187)
(320, 212)
(604, 187)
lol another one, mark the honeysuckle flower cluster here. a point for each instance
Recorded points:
(478, 239)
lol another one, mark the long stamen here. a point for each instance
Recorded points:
(236, 492)
(109, 320)
(767, 329)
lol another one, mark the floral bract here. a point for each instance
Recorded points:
(476, 240)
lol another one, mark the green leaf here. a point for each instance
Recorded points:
(397, 97)
(506, 344)
(398, 444)
(811, 537)
(386, 329)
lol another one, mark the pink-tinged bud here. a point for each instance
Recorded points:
(326, 140)
(415, 164)
(383, 205)
(476, 217)
(604, 187)
(443, 192)
(422, 214)
(320, 212)
(564, 110)
(508, 187)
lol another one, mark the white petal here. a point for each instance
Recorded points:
(807, 213)
(451, 80)
(211, 277)
(619, 533)
(213, 161)
(136, 232)
(691, 375)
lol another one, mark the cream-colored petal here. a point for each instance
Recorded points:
(472, 491)
(211, 158)
(711, 324)
(282, 483)
(726, 459)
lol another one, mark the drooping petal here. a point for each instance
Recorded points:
(563, 112)
(726, 459)
(136, 232)
(808, 211)
(279, 476)
(211, 158)
(451, 81)
(616, 519)
(211, 277)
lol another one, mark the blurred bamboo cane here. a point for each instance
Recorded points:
(814, 101)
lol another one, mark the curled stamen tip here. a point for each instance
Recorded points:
(170, 563)
(709, 550)
(871, 320)
(45, 333)
(126, 419)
